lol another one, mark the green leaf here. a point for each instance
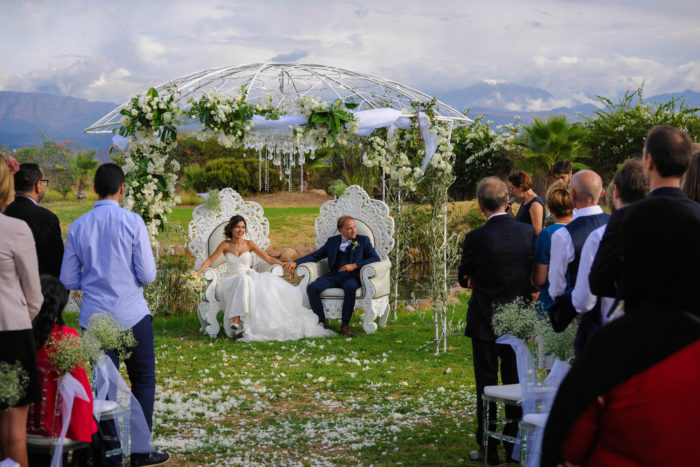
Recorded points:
(318, 118)
(351, 105)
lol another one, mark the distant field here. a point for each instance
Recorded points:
(289, 226)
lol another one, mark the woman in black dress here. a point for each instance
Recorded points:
(532, 208)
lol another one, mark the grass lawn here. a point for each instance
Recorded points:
(379, 399)
(289, 226)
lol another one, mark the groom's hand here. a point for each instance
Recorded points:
(289, 268)
(348, 268)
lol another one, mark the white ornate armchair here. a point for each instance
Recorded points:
(206, 232)
(373, 220)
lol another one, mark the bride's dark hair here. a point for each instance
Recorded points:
(228, 230)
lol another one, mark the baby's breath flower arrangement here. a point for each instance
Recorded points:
(105, 333)
(13, 384)
(67, 353)
(517, 318)
(560, 344)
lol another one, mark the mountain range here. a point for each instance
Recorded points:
(26, 119)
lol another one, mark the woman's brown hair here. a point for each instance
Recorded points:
(559, 200)
(521, 180)
(228, 230)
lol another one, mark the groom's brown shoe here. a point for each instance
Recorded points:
(345, 330)
(326, 324)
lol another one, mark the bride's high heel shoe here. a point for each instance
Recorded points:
(237, 329)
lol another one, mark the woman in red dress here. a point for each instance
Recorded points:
(48, 328)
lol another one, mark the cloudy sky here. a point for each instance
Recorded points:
(107, 51)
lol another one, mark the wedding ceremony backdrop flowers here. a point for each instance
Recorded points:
(287, 112)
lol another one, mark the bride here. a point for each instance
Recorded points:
(263, 307)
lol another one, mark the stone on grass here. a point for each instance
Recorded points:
(289, 254)
(274, 253)
(305, 250)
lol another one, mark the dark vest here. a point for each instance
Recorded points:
(579, 229)
(343, 258)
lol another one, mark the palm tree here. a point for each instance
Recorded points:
(549, 141)
(81, 167)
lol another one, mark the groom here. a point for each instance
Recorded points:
(346, 254)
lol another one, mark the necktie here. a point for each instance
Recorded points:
(344, 245)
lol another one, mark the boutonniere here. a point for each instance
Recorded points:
(354, 245)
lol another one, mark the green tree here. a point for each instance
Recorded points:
(546, 142)
(81, 167)
(617, 131)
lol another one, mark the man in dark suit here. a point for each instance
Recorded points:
(496, 264)
(665, 159)
(30, 186)
(346, 254)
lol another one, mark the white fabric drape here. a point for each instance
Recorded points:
(108, 382)
(69, 388)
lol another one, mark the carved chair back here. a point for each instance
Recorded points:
(371, 217)
(206, 229)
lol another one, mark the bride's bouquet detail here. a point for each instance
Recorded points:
(194, 283)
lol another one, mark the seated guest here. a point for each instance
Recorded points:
(48, 329)
(532, 208)
(562, 209)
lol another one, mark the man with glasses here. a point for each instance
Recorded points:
(30, 187)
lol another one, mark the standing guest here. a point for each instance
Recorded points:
(562, 209)
(30, 186)
(665, 159)
(567, 243)
(631, 398)
(108, 256)
(691, 179)
(496, 264)
(20, 290)
(532, 208)
(562, 171)
(628, 187)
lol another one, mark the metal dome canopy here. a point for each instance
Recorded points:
(284, 82)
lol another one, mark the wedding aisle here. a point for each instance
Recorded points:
(376, 399)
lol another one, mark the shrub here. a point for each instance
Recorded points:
(618, 131)
(239, 174)
(482, 151)
(167, 295)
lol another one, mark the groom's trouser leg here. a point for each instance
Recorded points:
(314, 289)
(349, 285)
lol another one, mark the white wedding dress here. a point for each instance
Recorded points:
(271, 309)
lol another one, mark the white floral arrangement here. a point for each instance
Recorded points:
(400, 154)
(104, 333)
(149, 188)
(517, 318)
(150, 183)
(194, 283)
(13, 384)
(67, 353)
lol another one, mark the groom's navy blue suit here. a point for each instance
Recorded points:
(360, 252)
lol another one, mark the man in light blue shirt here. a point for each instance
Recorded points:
(108, 256)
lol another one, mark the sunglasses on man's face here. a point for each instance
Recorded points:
(44, 181)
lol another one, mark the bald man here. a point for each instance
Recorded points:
(567, 244)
